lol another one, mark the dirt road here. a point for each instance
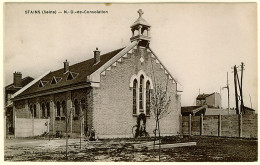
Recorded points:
(212, 149)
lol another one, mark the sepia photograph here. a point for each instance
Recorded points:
(130, 82)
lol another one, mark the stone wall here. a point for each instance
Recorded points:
(221, 125)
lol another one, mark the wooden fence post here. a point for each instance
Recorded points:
(48, 125)
(201, 124)
(219, 125)
(15, 126)
(190, 124)
(5, 127)
(240, 125)
(181, 133)
(33, 126)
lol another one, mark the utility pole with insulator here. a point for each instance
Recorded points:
(241, 89)
(236, 95)
(228, 94)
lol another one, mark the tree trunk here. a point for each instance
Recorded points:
(159, 140)
(155, 134)
(80, 133)
(66, 137)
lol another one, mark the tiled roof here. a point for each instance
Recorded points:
(203, 96)
(193, 110)
(189, 109)
(24, 82)
(80, 71)
(141, 21)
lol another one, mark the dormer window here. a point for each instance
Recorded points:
(42, 83)
(72, 75)
(55, 80)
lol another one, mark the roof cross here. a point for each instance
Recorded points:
(140, 12)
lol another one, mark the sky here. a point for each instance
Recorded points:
(197, 42)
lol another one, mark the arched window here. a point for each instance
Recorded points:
(58, 109)
(77, 108)
(148, 98)
(83, 104)
(31, 109)
(48, 109)
(64, 110)
(134, 96)
(43, 110)
(141, 90)
(34, 110)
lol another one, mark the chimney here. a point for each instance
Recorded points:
(96, 56)
(66, 66)
(17, 79)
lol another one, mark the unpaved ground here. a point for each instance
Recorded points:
(207, 149)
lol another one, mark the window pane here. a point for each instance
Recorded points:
(64, 107)
(147, 98)
(48, 109)
(58, 108)
(43, 110)
(134, 96)
(34, 110)
(141, 93)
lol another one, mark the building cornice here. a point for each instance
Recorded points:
(53, 91)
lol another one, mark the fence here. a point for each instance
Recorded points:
(25, 127)
(221, 125)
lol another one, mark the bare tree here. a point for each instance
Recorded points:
(68, 116)
(81, 117)
(160, 102)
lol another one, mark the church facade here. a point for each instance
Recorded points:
(107, 92)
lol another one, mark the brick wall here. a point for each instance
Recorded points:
(76, 126)
(221, 125)
(60, 125)
(113, 100)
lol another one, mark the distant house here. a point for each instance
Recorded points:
(206, 104)
(212, 100)
(205, 110)
(249, 110)
(18, 84)
(193, 110)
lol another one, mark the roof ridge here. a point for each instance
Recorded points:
(82, 69)
(86, 60)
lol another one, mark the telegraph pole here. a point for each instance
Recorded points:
(228, 94)
(241, 90)
(236, 95)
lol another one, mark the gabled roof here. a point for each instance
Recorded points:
(24, 82)
(82, 69)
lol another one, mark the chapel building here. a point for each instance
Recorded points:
(106, 92)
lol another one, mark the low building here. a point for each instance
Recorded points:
(212, 100)
(107, 92)
(249, 110)
(18, 84)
